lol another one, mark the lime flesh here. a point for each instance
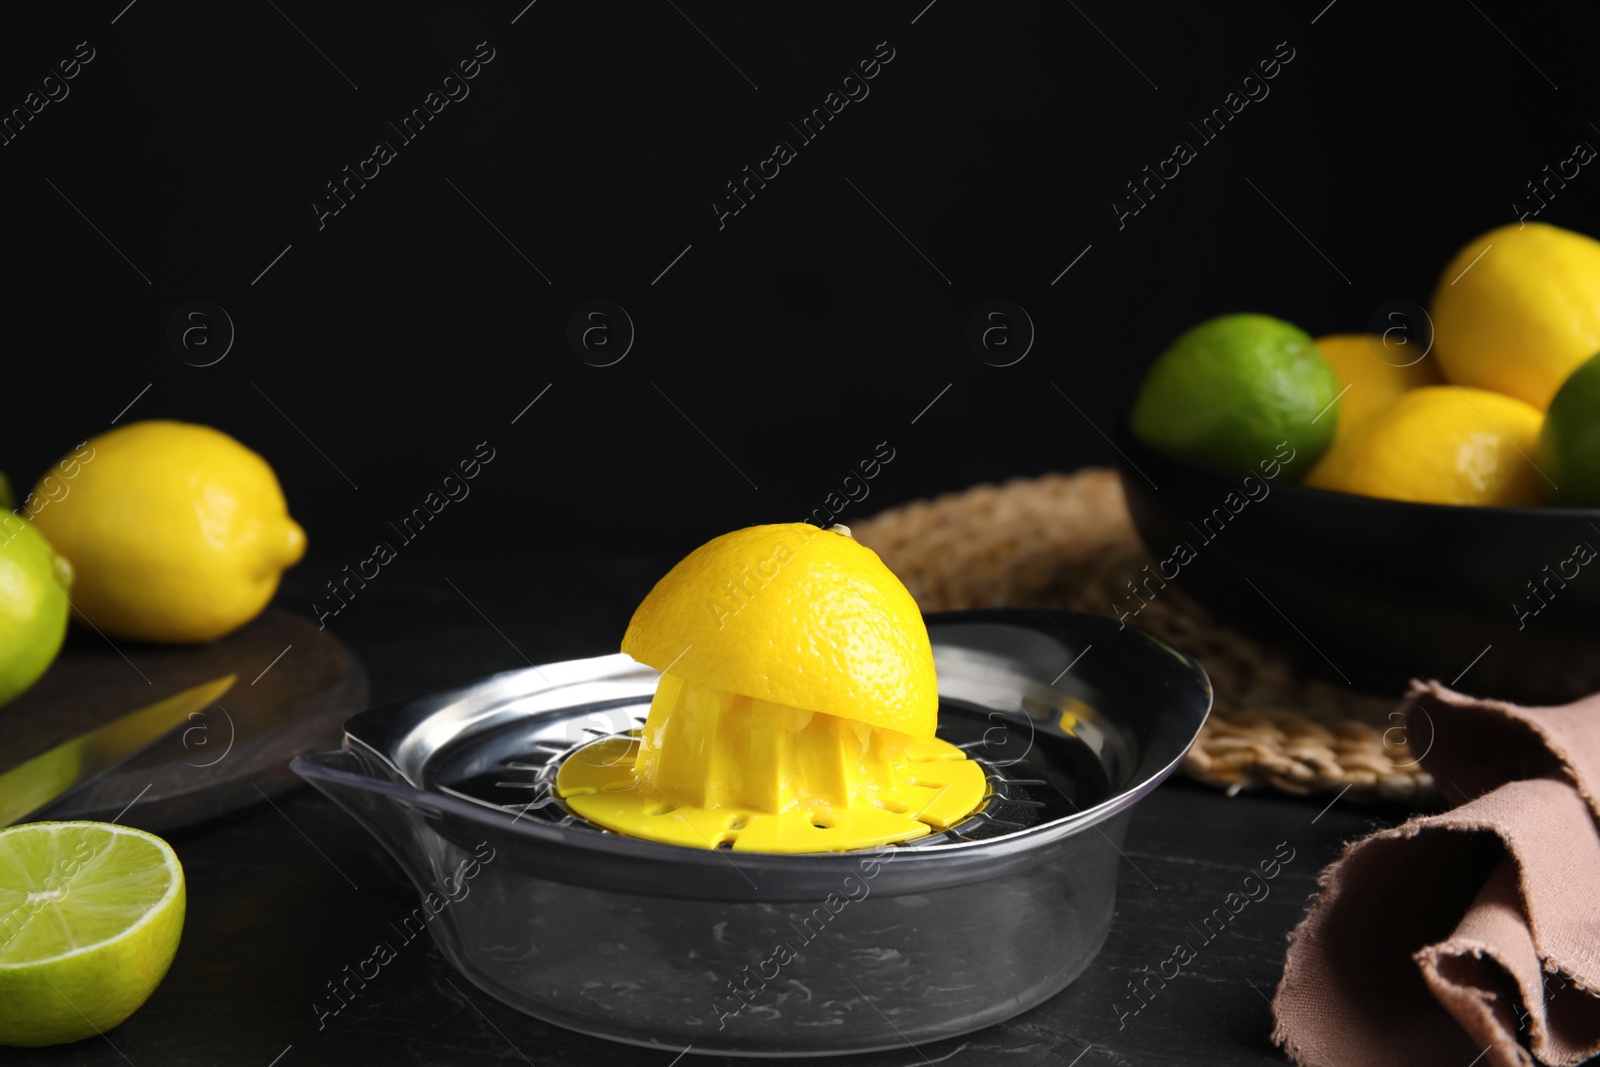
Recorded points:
(90, 918)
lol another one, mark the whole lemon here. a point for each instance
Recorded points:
(1372, 372)
(177, 532)
(1440, 444)
(1518, 309)
(34, 581)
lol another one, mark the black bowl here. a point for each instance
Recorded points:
(1503, 601)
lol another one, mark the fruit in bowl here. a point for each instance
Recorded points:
(1569, 443)
(1516, 319)
(1373, 371)
(1440, 444)
(1229, 391)
(1416, 545)
(1518, 309)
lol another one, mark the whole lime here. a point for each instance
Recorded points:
(34, 582)
(1569, 444)
(1233, 390)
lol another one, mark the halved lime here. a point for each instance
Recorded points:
(90, 917)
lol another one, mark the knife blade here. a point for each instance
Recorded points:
(44, 778)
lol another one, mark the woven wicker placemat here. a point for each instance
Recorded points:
(1067, 541)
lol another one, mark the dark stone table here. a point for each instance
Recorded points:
(274, 916)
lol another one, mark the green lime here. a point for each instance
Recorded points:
(90, 917)
(1569, 443)
(34, 581)
(1232, 391)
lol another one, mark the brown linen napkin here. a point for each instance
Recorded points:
(1470, 936)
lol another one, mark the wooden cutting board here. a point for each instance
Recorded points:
(294, 685)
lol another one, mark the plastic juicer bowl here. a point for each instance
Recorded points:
(1073, 719)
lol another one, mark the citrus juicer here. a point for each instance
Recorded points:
(713, 769)
(1071, 718)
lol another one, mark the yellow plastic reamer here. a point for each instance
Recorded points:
(715, 768)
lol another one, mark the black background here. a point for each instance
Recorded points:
(796, 338)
